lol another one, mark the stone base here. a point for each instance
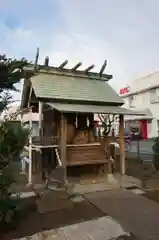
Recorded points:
(112, 180)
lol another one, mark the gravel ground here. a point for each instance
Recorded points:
(34, 222)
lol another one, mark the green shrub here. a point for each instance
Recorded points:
(12, 140)
(12, 136)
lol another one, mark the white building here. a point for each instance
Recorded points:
(26, 118)
(143, 95)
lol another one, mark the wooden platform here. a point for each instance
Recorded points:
(86, 154)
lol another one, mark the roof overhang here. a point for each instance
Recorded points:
(147, 115)
(83, 108)
(138, 118)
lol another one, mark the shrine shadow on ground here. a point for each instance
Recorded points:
(35, 222)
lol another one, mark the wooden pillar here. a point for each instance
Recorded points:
(121, 143)
(91, 136)
(30, 148)
(63, 147)
(40, 115)
(40, 118)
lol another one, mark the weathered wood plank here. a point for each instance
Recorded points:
(82, 155)
(122, 143)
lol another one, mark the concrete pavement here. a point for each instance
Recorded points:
(145, 147)
(135, 213)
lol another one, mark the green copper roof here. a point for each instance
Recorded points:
(60, 87)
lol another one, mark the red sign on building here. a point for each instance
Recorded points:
(124, 90)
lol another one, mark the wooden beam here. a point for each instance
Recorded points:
(30, 93)
(40, 118)
(103, 67)
(27, 82)
(46, 62)
(63, 144)
(63, 64)
(40, 113)
(30, 148)
(36, 59)
(76, 66)
(122, 145)
(89, 68)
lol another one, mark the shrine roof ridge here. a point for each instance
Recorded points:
(31, 70)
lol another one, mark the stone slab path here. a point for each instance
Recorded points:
(136, 213)
(120, 212)
(104, 228)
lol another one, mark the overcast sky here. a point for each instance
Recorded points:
(125, 32)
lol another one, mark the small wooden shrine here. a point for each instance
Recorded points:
(66, 101)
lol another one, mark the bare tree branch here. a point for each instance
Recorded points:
(107, 120)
